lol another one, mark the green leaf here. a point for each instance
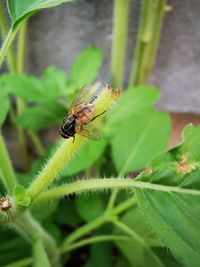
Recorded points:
(89, 208)
(138, 139)
(4, 107)
(20, 196)
(85, 68)
(42, 116)
(40, 211)
(28, 87)
(169, 197)
(88, 155)
(20, 10)
(133, 101)
(66, 213)
(55, 80)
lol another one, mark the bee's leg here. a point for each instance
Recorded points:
(98, 115)
(73, 138)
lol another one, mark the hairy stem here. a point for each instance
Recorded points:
(121, 8)
(55, 164)
(9, 178)
(86, 185)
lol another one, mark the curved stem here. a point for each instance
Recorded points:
(126, 229)
(21, 263)
(7, 42)
(97, 223)
(4, 29)
(40, 149)
(82, 231)
(6, 167)
(95, 239)
(86, 185)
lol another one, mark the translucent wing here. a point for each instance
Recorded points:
(87, 94)
(93, 133)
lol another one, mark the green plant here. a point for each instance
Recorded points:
(146, 214)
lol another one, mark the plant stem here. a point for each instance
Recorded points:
(37, 143)
(91, 240)
(7, 42)
(126, 229)
(158, 22)
(21, 263)
(21, 48)
(82, 231)
(40, 258)
(148, 37)
(6, 167)
(121, 8)
(106, 217)
(4, 28)
(62, 156)
(20, 103)
(86, 185)
(32, 230)
(21, 51)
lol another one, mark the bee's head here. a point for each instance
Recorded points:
(68, 128)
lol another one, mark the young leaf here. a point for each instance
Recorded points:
(139, 139)
(19, 194)
(89, 154)
(55, 80)
(28, 87)
(42, 115)
(85, 68)
(4, 106)
(169, 197)
(20, 10)
(132, 102)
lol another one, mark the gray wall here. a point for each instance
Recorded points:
(56, 36)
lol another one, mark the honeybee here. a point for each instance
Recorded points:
(81, 115)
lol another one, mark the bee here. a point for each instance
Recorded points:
(81, 114)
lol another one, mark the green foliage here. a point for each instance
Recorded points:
(20, 196)
(135, 221)
(170, 195)
(20, 10)
(142, 131)
(96, 207)
(42, 115)
(86, 66)
(88, 155)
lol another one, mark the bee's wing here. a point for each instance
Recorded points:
(90, 132)
(87, 94)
